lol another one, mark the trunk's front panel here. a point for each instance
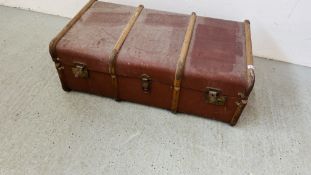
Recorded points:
(160, 95)
(130, 89)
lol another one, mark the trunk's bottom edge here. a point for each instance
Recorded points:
(231, 122)
(160, 96)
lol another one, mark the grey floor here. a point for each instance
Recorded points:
(46, 131)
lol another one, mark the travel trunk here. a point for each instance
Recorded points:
(183, 63)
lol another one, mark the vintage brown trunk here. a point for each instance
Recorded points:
(183, 63)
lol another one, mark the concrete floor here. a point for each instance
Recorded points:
(44, 130)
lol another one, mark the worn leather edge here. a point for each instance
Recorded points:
(53, 43)
(250, 74)
(181, 62)
(114, 54)
(59, 69)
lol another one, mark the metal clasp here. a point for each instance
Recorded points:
(146, 83)
(80, 70)
(213, 96)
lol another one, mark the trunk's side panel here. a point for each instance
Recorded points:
(241, 103)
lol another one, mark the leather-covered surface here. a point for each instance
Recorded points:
(216, 58)
(92, 38)
(153, 46)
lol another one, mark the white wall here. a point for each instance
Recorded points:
(281, 29)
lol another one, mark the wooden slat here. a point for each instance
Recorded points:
(250, 73)
(181, 62)
(248, 43)
(67, 28)
(117, 47)
(249, 52)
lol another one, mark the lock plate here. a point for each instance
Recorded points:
(146, 83)
(80, 70)
(214, 96)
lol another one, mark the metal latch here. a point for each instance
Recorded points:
(213, 96)
(146, 83)
(80, 70)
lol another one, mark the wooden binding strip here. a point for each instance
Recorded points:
(67, 28)
(249, 57)
(181, 62)
(248, 47)
(250, 73)
(117, 47)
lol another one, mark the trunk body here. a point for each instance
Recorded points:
(214, 78)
